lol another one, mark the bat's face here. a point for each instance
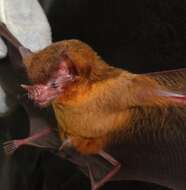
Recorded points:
(74, 61)
(43, 94)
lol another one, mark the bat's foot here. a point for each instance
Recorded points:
(11, 146)
(95, 185)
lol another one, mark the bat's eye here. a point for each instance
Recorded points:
(54, 85)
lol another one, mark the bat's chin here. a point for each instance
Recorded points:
(44, 102)
(44, 94)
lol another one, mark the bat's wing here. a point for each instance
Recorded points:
(4, 32)
(173, 79)
(98, 166)
(21, 51)
(43, 132)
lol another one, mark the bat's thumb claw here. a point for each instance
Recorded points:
(25, 86)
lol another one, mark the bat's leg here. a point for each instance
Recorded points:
(95, 185)
(12, 145)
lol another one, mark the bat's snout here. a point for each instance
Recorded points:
(41, 94)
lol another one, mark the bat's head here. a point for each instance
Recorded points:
(62, 64)
(43, 93)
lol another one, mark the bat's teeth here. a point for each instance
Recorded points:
(35, 92)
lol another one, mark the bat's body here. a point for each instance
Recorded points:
(103, 106)
(96, 102)
(98, 106)
(153, 149)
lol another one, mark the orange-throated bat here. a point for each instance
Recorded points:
(97, 105)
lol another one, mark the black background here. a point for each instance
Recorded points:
(140, 36)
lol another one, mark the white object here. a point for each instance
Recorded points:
(27, 21)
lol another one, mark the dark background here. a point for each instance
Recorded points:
(140, 36)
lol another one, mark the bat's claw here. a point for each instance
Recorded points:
(11, 146)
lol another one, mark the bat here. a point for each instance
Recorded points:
(84, 92)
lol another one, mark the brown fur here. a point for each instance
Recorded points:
(91, 115)
(40, 65)
(103, 99)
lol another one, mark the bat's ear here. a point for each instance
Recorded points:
(67, 63)
(75, 65)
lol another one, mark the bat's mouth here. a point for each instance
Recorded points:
(41, 94)
(44, 94)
